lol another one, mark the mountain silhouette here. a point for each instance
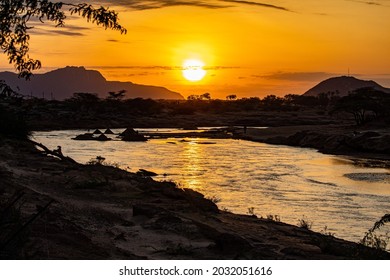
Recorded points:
(61, 83)
(343, 85)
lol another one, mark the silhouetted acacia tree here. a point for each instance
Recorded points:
(112, 95)
(205, 96)
(272, 102)
(363, 102)
(6, 90)
(12, 124)
(193, 97)
(84, 102)
(85, 97)
(16, 14)
(303, 100)
(142, 106)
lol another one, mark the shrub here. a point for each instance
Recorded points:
(374, 239)
(13, 125)
(275, 218)
(306, 224)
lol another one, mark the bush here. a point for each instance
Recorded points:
(304, 223)
(376, 240)
(13, 125)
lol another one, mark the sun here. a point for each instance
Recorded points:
(193, 70)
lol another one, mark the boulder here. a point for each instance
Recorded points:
(91, 136)
(131, 135)
(102, 137)
(85, 136)
(108, 131)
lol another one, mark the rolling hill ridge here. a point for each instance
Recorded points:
(61, 83)
(343, 85)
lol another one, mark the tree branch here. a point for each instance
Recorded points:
(14, 36)
(54, 153)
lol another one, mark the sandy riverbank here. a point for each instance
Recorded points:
(100, 212)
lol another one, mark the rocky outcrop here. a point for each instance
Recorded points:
(130, 135)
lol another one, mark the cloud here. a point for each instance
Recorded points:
(256, 4)
(296, 76)
(221, 67)
(68, 30)
(67, 33)
(141, 74)
(163, 68)
(155, 4)
(40, 31)
(75, 27)
(211, 4)
(367, 2)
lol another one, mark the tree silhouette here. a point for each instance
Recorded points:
(231, 97)
(112, 95)
(193, 97)
(205, 96)
(363, 102)
(272, 102)
(6, 91)
(16, 14)
(85, 98)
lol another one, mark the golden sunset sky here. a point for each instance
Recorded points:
(249, 48)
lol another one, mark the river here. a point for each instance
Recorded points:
(337, 194)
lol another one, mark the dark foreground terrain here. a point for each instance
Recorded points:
(54, 208)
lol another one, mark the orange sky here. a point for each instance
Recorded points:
(249, 48)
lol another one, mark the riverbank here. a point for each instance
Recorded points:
(365, 142)
(101, 212)
(304, 127)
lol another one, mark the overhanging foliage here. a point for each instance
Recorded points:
(15, 16)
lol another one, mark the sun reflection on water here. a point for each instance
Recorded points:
(192, 164)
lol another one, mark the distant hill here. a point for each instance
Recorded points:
(344, 85)
(63, 82)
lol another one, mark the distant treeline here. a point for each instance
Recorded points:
(364, 105)
(364, 101)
